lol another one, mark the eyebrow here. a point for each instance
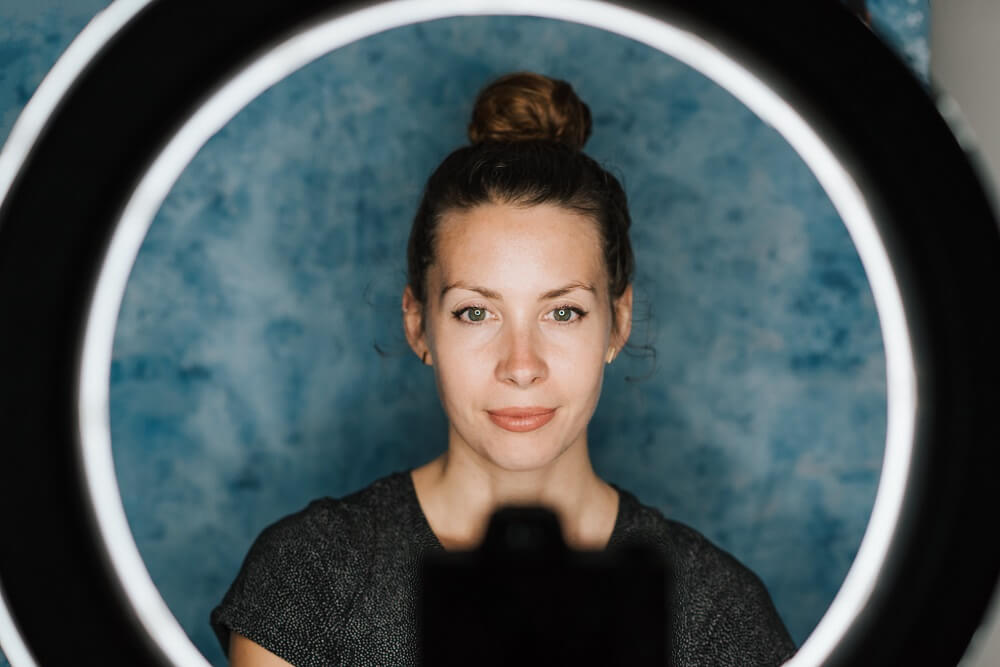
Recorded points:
(491, 294)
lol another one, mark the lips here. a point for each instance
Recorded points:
(523, 419)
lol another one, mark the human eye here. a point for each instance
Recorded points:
(567, 314)
(475, 314)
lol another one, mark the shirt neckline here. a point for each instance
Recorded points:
(625, 507)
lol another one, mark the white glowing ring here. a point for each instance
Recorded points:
(314, 42)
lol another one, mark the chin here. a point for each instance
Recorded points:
(521, 456)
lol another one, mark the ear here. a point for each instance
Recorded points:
(623, 320)
(413, 326)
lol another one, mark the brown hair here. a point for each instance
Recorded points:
(527, 133)
(523, 106)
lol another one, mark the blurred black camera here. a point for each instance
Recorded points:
(525, 598)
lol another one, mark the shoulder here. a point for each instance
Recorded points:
(724, 613)
(303, 571)
(326, 527)
(693, 556)
(339, 520)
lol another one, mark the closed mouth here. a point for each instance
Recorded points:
(523, 419)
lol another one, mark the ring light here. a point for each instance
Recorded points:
(868, 131)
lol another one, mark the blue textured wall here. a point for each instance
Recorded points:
(245, 380)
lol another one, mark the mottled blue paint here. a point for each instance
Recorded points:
(905, 25)
(246, 380)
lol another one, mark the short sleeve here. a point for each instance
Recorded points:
(737, 620)
(745, 621)
(276, 599)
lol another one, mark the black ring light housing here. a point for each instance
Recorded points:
(74, 163)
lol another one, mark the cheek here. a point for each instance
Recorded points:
(460, 369)
(583, 345)
(578, 368)
(457, 374)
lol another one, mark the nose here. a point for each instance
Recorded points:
(521, 363)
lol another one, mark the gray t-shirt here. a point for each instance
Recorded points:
(336, 584)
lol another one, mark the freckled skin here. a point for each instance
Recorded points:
(519, 355)
(511, 348)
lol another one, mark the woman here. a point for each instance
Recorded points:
(519, 293)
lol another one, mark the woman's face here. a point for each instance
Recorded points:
(518, 328)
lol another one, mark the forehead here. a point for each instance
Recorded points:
(514, 244)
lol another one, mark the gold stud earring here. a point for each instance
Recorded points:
(611, 354)
(424, 357)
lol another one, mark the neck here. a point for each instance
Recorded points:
(459, 490)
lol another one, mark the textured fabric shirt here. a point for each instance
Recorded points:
(337, 582)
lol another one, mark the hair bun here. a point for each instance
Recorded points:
(525, 106)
